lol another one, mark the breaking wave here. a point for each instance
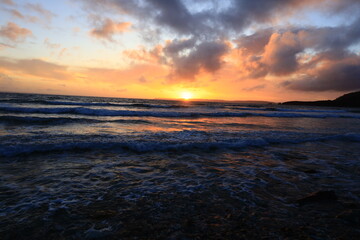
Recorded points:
(179, 141)
(110, 112)
(63, 120)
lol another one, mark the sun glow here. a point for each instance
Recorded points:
(186, 95)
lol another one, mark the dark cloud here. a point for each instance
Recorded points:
(188, 58)
(211, 21)
(214, 19)
(336, 76)
(177, 46)
(174, 14)
(256, 42)
(242, 13)
(280, 53)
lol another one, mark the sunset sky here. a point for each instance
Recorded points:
(274, 50)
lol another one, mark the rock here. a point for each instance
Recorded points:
(319, 197)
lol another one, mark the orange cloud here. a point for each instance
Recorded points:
(14, 32)
(154, 55)
(108, 28)
(35, 67)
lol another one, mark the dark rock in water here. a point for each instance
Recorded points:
(319, 197)
(347, 100)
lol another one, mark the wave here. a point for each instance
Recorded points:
(167, 143)
(274, 109)
(109, 112)
(63, 120)
(95, 104)
(129, 105)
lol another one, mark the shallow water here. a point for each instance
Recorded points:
(81, 167)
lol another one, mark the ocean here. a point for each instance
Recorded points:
(109, 168)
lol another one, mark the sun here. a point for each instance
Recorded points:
(186, 95)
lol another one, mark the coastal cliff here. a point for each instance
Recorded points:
(346, 100)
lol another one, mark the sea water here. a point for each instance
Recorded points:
(88, 167)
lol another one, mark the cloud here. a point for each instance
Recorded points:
(46, 14)
(15, 13)
(175, 15)
(108, 28)
(3, 46)
(188, 58)
(312, 58)
(176, 47)
(35, 67)
(142, 79)
(152, 56)
(8, 2)
(51, 45)
(213, 20)
(63, 52)
(255, 88)
(340, 75)
(14, 32)
(208, 18)
(280, 53)
(256, 42)
(200, 36)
